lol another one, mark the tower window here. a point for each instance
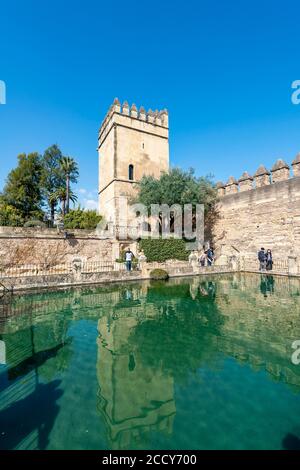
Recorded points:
(130, 172)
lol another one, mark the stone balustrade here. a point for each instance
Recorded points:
(280, 171)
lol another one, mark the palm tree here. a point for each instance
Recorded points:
(53, 177)
(52, 201)
(70, 170)
(61, 195)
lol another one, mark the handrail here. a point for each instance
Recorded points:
(5, 290)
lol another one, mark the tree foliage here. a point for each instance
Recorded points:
(61, 195)
(23, 186)
(9, 215)
(176, 187)
(52, 177)
(35, 187)
(179, 187)
(69, 169)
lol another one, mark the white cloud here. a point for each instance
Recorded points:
(88, 194)
(90, 204)
(88, 199)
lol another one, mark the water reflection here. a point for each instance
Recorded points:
(184, 326)
(28, 408)
(291, 442)
(151, 340)
(30, 418)
(267, 285)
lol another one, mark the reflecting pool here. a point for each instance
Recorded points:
(194, 363)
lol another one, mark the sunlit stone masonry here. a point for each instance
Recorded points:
(260, 210)
(132, 143)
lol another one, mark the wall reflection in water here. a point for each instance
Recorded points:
(150, 338)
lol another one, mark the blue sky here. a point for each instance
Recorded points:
(223, 69)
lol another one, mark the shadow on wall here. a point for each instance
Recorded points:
(71, 239)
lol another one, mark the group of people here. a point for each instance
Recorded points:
(207, 257)
(265, 260)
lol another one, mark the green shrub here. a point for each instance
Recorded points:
(82, 219)
(159, 275)
(9, 215)
(163, 249)
(35, 223)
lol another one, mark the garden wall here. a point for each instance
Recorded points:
(19, 245)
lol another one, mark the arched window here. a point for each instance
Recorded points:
(130, 172)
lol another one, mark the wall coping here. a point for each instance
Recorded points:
(51, 233)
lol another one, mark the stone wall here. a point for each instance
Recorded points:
(37, 246)
(71, 279)
(129, 137)
(263, 210)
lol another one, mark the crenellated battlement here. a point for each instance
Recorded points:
(280, 171)
(132, 143)
(155, 118)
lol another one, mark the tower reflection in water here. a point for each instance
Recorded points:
(134, 400)
(150, 339)
(154, 337)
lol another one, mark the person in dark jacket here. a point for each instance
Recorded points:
(210, 256)
(262, 259)
(269, 260)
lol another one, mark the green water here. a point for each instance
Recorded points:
(196, 363)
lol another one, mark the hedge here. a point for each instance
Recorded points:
(163, 249)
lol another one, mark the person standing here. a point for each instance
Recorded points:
(262, 259)
(128, 259)
(269, 260)
(210, 256)
(202, 259)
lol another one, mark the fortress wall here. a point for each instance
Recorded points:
(263, 210)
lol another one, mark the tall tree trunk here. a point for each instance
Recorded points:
(52, 210)
(68, 194)
(63, 206)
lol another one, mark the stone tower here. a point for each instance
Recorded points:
(132, 143)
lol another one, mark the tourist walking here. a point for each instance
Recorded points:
(262, 259)
(269, 260)
(128, 259)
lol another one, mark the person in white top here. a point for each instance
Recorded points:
(128, 259)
